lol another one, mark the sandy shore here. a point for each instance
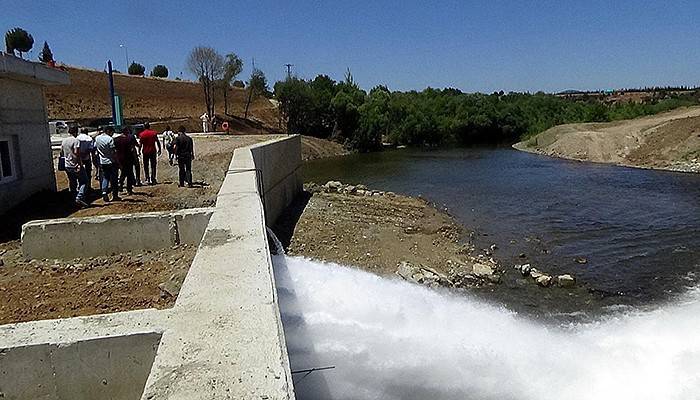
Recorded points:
(668, 141)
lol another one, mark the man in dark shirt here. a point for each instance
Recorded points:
(150, 148)
(125, 145)
(184, 151)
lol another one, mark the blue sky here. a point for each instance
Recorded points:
(472, 45)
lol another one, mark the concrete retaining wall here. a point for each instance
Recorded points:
(230, 342)
(80, 370)
(278, 176)
(113, 234)
(223, 339)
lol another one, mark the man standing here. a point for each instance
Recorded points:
(87, 148)
(106, 151)
(77, 180)
(125, 146)
(205, 122)
(168, 139)
(184, 151)
(150, 148)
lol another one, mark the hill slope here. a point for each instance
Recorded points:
(665, 141)
(87, 98)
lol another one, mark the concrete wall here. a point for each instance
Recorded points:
(113, 234)
(23, 120)
(230, 342)
(278, 164)
(223, 339)
(80, 370)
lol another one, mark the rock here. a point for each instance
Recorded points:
(566, 281)
(482, 270)
(522, 255)
(350, 189)
(422, 275)
(493, 248)
(361, 187)
(405, 270)
(170, 287)
(581, 260)
(544, 280)
(524, 269)
(535, 273)
(2, 263)
(332, 186)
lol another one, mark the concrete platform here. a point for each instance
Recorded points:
(223, 339)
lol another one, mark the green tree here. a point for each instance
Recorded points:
(136, 69)
(232, 67)
(257, 86)
(46, 56)
(346, 103)
(160, 71)
(19, 40)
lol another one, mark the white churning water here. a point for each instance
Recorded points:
(392, 340)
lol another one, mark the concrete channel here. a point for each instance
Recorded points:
(223, 339)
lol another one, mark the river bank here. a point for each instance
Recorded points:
(667, 141)
(386, 234)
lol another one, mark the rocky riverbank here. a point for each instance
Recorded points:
(390, 235)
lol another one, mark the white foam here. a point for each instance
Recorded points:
(392, 340)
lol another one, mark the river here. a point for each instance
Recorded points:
(638, 230)
(388, 339)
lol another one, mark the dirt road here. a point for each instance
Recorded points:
(665, 141)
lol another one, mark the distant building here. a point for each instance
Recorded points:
(26, 162)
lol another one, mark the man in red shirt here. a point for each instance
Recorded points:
(150, 148)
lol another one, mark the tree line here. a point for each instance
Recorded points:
(363, 121)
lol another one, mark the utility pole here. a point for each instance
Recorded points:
(126, 51)
(289, 70)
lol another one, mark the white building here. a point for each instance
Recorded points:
(26, 162)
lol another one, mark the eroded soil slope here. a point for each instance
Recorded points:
(666, 141)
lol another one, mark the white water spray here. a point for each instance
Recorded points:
(393, 340)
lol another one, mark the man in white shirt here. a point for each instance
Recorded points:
(87, 148)
(77, 179)
(106, 150)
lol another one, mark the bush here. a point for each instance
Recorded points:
(136, 69)
(160, 71)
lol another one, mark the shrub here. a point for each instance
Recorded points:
(160, 71)
(136, 69)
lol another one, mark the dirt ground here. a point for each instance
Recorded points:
(44, 289)
(666, 141)
(47, 289)
(377, 233)
(213, 156)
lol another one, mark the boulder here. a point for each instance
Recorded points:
(566, 281)
(544, 280)
(525, 269)
(406, 270)
(535, 273)
(482, 270)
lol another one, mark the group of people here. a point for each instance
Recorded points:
(117, 159)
